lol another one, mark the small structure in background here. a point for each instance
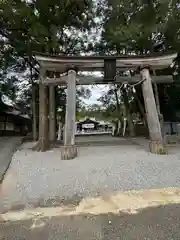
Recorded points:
(93, 126)
(12, 121)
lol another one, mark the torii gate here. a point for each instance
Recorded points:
(66, 68)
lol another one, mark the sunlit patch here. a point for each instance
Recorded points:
(129, 202)
(37, 223)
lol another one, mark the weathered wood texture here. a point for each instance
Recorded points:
(43, 142)
(86, 80)
(157, 98)
(161, 119)
(52, 114)
(157, 147)
(96, 63)
(34, 113)
(68, 152)
(128, 114)
(151, 112)
(70, 121)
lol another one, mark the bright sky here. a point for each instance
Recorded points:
(97, 91)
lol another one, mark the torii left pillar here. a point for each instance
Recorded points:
(43, 141)
(69, 150)
(52, 114)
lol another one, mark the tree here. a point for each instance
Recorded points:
(112, 102)
(42, 26)
(141, 27)
(135, 27)
(49, 27)
(81, 93)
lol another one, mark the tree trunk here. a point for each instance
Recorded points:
(52, 114)
(161, 119)
(118, 110)
(141, 110)
(43, 142)
(34, 113)
(128, 114)
(140, 103)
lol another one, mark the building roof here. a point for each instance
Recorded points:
(17, 113)
(12, 109)
(7, 101)
(88, 120)
(93, 120)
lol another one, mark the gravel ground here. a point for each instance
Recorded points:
(34, 176)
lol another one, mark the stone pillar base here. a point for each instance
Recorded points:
(68, 152)
(42, 146)
(158, 148)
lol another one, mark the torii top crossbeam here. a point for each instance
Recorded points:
(61, 63)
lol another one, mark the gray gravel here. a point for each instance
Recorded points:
(34, 176)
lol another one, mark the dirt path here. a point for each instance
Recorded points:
(149, 214)
(7, 147)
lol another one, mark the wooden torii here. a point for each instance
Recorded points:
(66, 68)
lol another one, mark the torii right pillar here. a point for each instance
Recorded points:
(69, 150)
(156, 138)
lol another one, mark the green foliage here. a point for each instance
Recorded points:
(91, 111)
(112, 103)
(135, 27)
(49, 26)
(62, 27)
(81, 93)
(170, 101)
(41, 25)
(141, 27)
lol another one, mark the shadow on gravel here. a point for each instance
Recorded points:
(152, 223)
